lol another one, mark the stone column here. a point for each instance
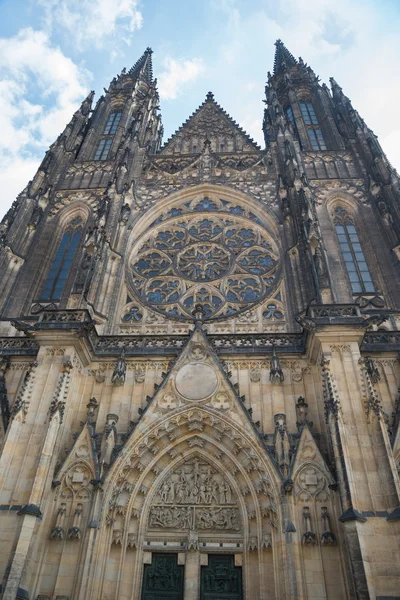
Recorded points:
(363, 460)
(192, 575)
(31, 511)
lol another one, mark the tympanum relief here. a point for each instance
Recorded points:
(195, 496)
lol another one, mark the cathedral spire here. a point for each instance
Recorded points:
(283, 58)
(143, 67)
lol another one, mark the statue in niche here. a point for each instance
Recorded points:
(276, 374)
(119, 374)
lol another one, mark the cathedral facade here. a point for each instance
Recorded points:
(199, 347)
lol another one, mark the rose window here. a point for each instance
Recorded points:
(226, 263)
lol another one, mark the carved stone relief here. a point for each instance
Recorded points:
(311, 483)
(195, 496)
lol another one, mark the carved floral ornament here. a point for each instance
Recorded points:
(223, 474)
(218, 255)
(311, 483)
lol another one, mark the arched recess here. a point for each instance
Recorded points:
(72, 220)
(36, 268)
(184, 206)
(342, 204)
(149, 458)
(215, 192)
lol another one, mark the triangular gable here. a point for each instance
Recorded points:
(82, 457)
(197, 379)
(208, 122)
(309, 472)
(195, 421)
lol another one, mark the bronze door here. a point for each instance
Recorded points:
(163, 579)
(221, 580)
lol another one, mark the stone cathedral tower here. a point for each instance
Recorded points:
(199, 354)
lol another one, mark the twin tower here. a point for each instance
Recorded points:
(199, 354)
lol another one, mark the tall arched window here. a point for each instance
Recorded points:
(353, 255)
(314, 132)
(61, 265)
(106, 140)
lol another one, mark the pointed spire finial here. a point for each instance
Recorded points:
(283, 58)
(87, 103)
(143, 66)
(210, 96)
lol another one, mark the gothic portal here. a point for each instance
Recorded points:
(199, 354)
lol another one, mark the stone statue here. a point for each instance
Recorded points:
(276, 375)
(119, 374)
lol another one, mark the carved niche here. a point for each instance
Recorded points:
(195, 496)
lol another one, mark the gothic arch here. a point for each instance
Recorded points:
(76, 208)
(163, 205)
(155, 451)
(204, 247)
(350, 202)
(197, 422)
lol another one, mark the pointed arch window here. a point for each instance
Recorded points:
(106, 140)
(352, 252)
(62, 262)
(314, 132)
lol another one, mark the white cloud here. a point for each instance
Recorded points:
(177, 74)
(92, 21)
(33, 74)
(346, 39)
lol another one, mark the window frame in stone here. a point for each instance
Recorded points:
(61, 265)
(106, 140)
(314, 132)
(290, 115)
(353, 255)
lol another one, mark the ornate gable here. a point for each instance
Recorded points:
(194, 464)
(310, 472)
(209, 122)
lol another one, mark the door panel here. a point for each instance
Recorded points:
(163, 579)
(221, 580)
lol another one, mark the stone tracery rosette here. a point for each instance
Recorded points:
(225, 262)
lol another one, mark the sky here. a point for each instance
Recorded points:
(53, 52)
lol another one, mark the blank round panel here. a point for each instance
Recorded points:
(196, 381)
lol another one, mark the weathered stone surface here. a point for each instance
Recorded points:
(210, 395)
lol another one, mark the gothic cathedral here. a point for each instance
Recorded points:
(199, 354)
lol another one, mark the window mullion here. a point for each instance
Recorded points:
(60, 268)
(353, 254)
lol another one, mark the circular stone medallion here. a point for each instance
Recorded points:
(196, 381)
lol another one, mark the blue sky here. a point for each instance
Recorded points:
(52, 52)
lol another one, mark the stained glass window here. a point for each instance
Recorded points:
(353, 255)
(290, 115)
(61, 265)
(308, 112)
(316, 139)
(315, 136)
(225, 262)
(112, 123)
(106, 140)
(103, 149)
